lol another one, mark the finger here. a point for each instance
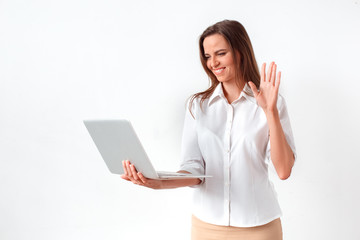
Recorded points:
(142, 178)
(262, 74)
(273, 75)
(129, 173)
(134, 172)
(268, 74)
(253, 88)
(123, 176)
(277, 84)
(124, 167)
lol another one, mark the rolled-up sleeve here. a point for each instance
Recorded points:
(286, 126)
(191, 157)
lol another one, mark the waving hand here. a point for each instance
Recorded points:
(267, 95)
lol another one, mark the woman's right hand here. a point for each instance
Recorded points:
(131, 174)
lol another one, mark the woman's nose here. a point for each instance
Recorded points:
(214, 63)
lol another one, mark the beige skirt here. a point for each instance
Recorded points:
(205, 231)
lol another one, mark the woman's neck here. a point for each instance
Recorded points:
(232, 91)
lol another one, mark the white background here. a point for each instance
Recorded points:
(65, 61)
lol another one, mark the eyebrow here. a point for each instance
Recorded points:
(220, 50)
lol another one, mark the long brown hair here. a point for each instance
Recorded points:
(239, 41)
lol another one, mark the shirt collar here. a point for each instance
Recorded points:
(219, 93)
(248, 94)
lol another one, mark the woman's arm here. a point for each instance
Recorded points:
(130, 174)
(281, 154)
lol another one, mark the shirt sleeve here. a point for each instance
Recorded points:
(285, 124)
(191, 157)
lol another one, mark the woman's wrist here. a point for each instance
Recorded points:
(271, 113)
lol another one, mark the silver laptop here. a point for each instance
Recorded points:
(116, 141)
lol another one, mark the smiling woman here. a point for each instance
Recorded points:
(227, 134)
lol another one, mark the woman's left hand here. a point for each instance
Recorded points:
(267, 95)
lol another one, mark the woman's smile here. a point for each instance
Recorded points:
(218, 71)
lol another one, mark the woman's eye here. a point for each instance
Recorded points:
(222, 53)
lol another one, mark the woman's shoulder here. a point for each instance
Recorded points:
(197, 99)
(196, 104)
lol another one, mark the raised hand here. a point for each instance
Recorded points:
(267, 95)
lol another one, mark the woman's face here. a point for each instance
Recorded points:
(219, 58)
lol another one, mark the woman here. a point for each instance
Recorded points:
(228, 131)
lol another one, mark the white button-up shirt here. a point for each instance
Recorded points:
(231, 143)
